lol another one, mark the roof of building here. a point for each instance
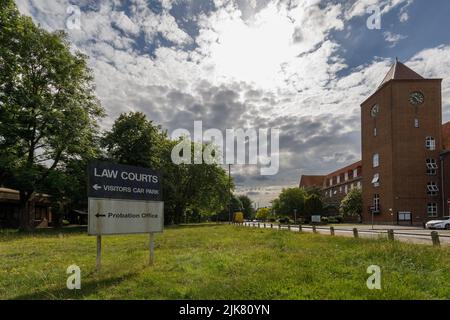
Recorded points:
(311, 181)
(399, 71)
(346, 169)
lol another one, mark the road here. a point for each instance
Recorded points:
(401, 233)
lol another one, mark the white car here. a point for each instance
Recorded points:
(438, 224)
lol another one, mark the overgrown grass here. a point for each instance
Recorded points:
(219, 262)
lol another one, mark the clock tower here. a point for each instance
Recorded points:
(401, 144)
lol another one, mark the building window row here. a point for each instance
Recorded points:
(352, 174)
(342, 189)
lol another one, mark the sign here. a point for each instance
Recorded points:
(114, 181)
(316, 219)
(110, 216)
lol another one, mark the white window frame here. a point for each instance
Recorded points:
(432, 189)
(346, 188)
(416, 123)
(355, 173)
(376, 160)
(376, 180)
(338, 179)
(430, 143)
(346, 176)
(431, 167)
(376, 202)
(432, 209)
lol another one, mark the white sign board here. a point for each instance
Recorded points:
(117, 216)
(315, 219)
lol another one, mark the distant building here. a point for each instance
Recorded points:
(41, 214)
(405, 169)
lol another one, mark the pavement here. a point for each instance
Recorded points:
(401, 233)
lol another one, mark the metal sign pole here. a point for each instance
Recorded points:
(99, 252)
(152, 250)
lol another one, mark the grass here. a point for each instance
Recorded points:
(219, 262)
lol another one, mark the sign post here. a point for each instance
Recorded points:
(124, 200)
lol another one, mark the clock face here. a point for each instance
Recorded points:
(416, 98)
(375, 110)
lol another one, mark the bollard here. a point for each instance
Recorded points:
(314, 229)
(299, 228)
(391, 234)
(332, 231)
(355, 233)
(435, 238)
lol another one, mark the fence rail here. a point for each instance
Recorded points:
(434, 236)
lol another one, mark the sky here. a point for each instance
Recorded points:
(300, 66)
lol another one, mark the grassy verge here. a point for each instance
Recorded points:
(219, 262)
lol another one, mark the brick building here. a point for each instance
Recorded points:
(405, 152)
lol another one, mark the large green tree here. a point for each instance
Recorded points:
(49, 111)
(352, 204)
(290, 199)
(135, 140)
(247, 207)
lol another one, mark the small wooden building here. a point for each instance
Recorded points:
(10, 208)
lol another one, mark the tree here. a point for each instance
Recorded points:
(48, 109)
(247, 207)
(134, 140)
(313, 204)
(352, 204)
(262, 213)
(289, 200)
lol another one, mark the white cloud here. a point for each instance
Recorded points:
(393, 38)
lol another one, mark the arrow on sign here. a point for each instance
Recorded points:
(96, 187)
(98, 215)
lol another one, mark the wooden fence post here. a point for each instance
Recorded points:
(299, 227)
(355, 233)
(279, 227)
(332, 231)
(391, 234)
(271, 226)
(289, 227)
(314, 229)
(435, 238)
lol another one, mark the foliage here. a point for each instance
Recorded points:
(352, 204)
(49, 111)
(289, 200)
(263, 213)
(247, 207)
(313, 205)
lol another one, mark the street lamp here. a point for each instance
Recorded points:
(295, 216)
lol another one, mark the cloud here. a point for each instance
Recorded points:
(393, 38)
(270, 64)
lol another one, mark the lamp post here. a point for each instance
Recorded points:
(229, 193)
(295, 216)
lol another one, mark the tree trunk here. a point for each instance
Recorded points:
(26, 211)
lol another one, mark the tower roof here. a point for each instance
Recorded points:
(399, 71)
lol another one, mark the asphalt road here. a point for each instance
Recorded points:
(401, 233)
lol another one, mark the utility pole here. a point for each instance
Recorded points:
(229, 192)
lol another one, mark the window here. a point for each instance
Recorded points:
(432, 209)
(376, 160)
(346, 188)
(340, 189)
(346, 176)
(376, 203)
(355, 173)
(359, 184)
(335, 191)
(375, 132)
(404, 216)
(416, 123)
(376, 180)
(431, 167)
(432, 189)
(375, 110)
(338, 179)
(430, 143)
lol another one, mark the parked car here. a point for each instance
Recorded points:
(438, 224)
